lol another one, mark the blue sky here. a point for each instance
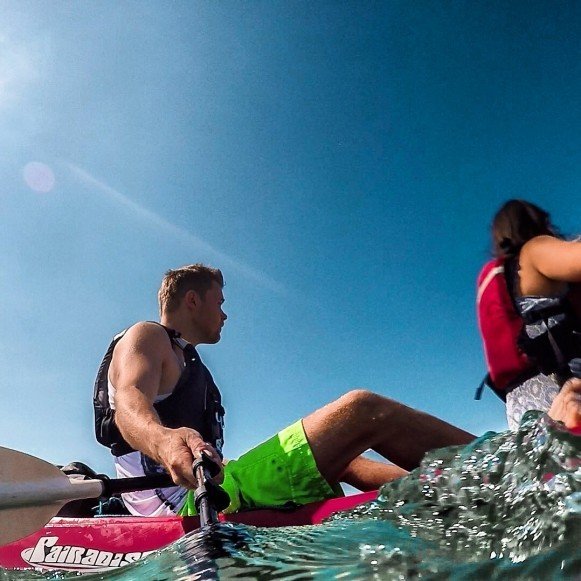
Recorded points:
(340, 161)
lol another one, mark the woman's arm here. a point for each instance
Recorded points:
(552, 258)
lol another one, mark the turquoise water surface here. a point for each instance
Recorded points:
(506, 507)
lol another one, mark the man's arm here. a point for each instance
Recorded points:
(143, 366)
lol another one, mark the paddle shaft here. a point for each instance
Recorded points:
(204, 506)
(120, 485)
(47, 491)
(66, 489)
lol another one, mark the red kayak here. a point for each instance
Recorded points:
(106, 543)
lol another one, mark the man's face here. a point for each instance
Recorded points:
(209, 316)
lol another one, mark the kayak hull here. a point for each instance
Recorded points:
(107, 543)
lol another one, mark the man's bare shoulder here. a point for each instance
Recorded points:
(145, 336)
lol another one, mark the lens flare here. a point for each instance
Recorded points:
(39, 177)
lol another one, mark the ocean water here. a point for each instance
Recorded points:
(506, 507)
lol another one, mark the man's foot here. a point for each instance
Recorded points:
(566, 406)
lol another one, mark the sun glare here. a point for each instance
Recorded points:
(39, 177)
(20, 65)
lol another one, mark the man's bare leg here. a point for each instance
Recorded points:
(566, 407)
(367, 474)
(342, 430)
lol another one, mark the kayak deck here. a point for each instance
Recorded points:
(104, 543)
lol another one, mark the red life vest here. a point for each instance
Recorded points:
(500, 326)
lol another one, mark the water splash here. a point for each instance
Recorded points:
(504, 495)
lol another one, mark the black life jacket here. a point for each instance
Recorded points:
(194, 403)
(551, 334)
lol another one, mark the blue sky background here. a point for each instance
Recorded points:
(340, 161)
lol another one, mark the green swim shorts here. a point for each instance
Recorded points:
(279, 472)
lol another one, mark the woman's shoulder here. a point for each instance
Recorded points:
(542, 240)
(552, 259)
(542, 247)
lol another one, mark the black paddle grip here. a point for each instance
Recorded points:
(210, 467)
(120, 485)
(209, 498)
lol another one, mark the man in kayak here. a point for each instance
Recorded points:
(157, 406)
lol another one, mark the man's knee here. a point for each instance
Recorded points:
(366, 404)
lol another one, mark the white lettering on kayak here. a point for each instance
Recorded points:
(49, 555)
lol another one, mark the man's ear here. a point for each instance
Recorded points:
(192, 298)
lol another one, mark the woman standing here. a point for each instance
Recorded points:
(529, 308)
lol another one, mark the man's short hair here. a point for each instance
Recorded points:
(177, 282)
